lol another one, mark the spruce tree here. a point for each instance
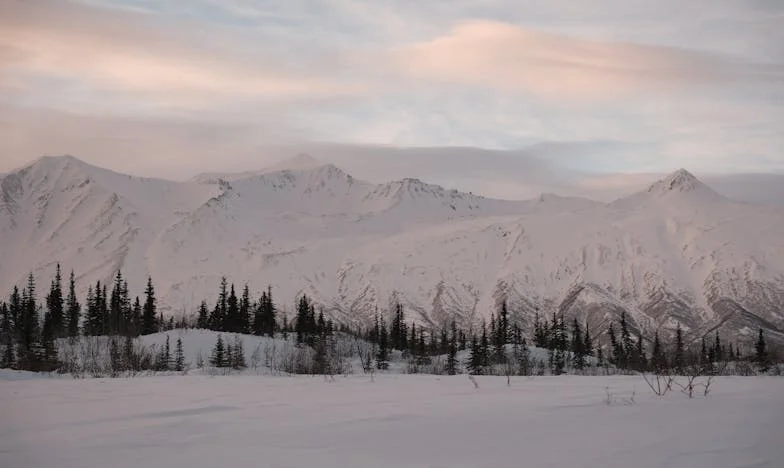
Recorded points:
(55, 306)
(413, 340)
(269, 313)
(540, 333)
(578, 346)
(484, 347)
(704, 357)
(7, 360)
(258, 326)
(136, 317)
(237, 354)
(558, 343)
(218, 357)
(618, 356)
(126, 312)
(244, 312)
(421, 353)
(165, 360)
(587, 342)
(92, 321)
(115, 322)
(29, 326)
(179, 356)
(232, 323)
(382, 356)
(397, 330)
(678, 356)
(475, 366)
(501, 337)
(718, 354)
(761, 356)
(15, 312)
(631, 357)
(301, 326)
(451, 358)
(203, 316)
(74, 309)
(218, 317)
(321, 324)
(641, 358)
(658, 359)
(149, 311)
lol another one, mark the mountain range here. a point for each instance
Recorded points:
(674, 253)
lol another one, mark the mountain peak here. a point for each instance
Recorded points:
(679, 181)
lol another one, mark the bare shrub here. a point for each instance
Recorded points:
(659, 383)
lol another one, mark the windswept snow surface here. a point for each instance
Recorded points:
(397, 421)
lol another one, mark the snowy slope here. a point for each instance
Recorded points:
(676, 252)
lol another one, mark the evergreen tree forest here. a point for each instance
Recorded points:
(33, 320)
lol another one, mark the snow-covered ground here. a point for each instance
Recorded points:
(396, 421)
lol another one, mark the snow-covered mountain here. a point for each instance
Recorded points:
(676, 252)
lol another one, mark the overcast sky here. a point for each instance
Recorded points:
(550, 90)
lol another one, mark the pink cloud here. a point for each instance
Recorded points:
(511, 58)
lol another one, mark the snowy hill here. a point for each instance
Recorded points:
(676, 252)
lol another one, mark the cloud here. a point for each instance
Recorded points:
(138, 53)
(513, 58)
(557, 92)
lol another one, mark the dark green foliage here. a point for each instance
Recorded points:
(558, 346)
(218, 357)
(179, 356)
(218, 317)
(232, 321)
(264, 315)
(520, 351)
(149, 311)
(243, 320)
(578, 346)
(501, 334)
(761, 353)
(8, 358)
(641, 360)
(718, 350)
(588, 342)
(658, 358)
(398, 333)
(422, 357)
(704, 356)
(678, 358)
(475, 366)
(74, 309)
(235, 354)
(55, 316)
(306, 326)
(451, 358)
(541, 333)
(95, 320)
(164, 359)
(382, 354)
(203, 316)
(484, 347)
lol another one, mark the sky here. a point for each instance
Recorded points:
(482, 94)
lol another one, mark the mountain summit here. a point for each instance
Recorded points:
(682, 181)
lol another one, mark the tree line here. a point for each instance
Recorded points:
(29, 332)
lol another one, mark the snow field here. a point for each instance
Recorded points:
(394, 421)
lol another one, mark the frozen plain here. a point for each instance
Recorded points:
(396, 421)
